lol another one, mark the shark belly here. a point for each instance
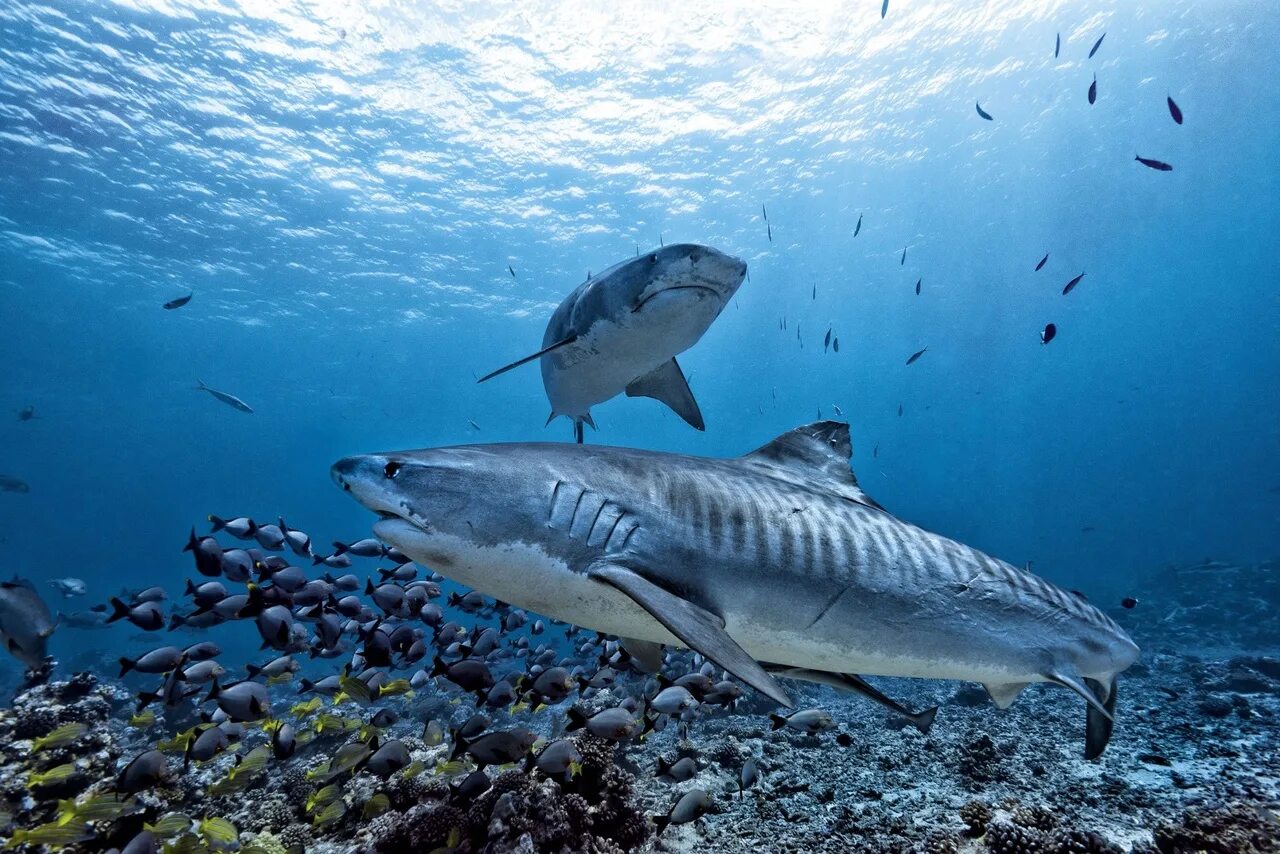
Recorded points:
(615, 352)
(527, 576)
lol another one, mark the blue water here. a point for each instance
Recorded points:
(343, 188)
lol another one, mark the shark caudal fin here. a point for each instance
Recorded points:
(666, 383)
(1098, 726)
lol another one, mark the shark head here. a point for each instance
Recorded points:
(683, 271)
(437, 505)
(632, 319)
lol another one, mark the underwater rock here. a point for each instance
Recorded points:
(1235, 829)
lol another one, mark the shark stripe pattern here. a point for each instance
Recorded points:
(776, 558)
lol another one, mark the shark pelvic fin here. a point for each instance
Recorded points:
(815, 455)
(697, 627)
(563, 342)
(1004, 693)
(855, 684)
(1097, 727)
(666, 383)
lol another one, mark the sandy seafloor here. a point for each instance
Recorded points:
(1194, 763)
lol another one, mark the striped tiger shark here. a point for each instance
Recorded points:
(622, 330)
(773, 564)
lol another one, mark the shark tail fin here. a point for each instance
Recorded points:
(1098, 726)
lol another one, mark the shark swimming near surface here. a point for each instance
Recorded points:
(620, 331)
(771, 564)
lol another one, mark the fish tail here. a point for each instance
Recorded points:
(577, 720)
(778, 721)
(660, 823)
(126, 665)
(119, 610)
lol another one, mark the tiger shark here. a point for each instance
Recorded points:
(773, 561)
(622, 330)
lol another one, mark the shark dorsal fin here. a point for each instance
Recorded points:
(815, 455)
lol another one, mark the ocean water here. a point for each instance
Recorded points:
(372, 205)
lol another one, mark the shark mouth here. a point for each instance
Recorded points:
(706, 288)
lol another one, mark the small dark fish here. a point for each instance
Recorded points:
(1158, 165)
(179, 302)
(764, 213)
(27, 413)
(748, 776)
(1057, 46)
(884, 9)
(1174, 110)
(815, 291)
(876, 451)
(1154, 759)
(1128, 602)
(1047, 335)
(1093, 90)
(858, 227)
(1096, 45)
(511, 271)
(769, 229)
(904, 257)
(918, 281)
(8, 483)
(826, 342)
(1071, 285)
(1043, 261)
(899, 410)
(983, 112)
(473, 424)
(835, 345)
(680, 770)
(916, 355)
(695, 802)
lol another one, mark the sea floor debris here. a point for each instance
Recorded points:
(1193, 765)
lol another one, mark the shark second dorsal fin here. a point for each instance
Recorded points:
(815, 455)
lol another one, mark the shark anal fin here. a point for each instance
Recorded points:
(697, 627)
(855, 684)
(1097, 728)
(563, 342)
(666, 383)
(1004, 693)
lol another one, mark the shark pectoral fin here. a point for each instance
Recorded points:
(564, 342)
(697, 627)
(647, 654)
(1004, 693)
(666, 383)
(1097, 728)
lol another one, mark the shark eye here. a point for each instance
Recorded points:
(391, 469)
(653, 259)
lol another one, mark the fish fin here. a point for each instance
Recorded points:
(1004, 693)
(1095, 702)
(645, 653)
(815, 454)
(1097, 730)
(563, 342)
(699, 628)
(666, 383)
